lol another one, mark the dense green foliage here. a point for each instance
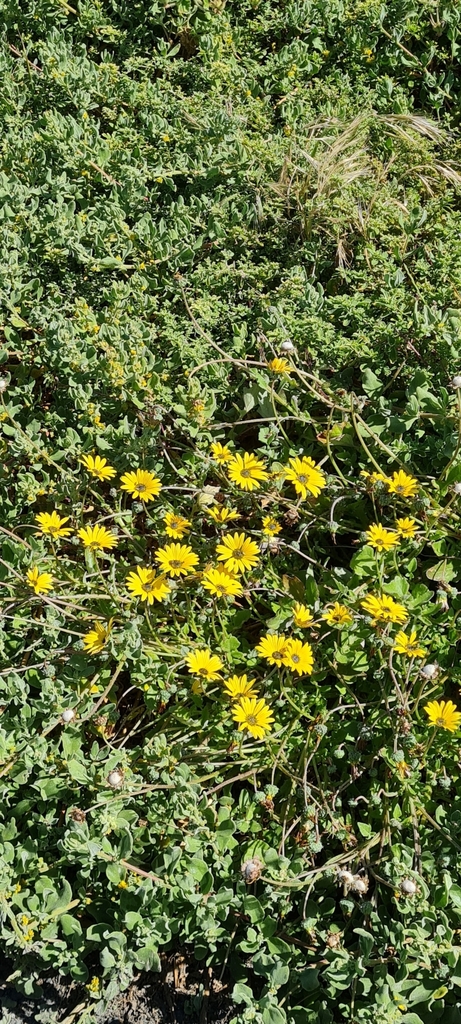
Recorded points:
(184, 189)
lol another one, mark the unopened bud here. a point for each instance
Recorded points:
(68, 716)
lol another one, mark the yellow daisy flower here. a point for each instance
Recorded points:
(384, 609)
(247, 471)
(176, 559)
(145, 584)
(253, 714)
(302, 617)
(374, 478)
(204, 664)
(270, 526)
(141, 484)
(53, 524)
(299, 657)
(337, 615)
(279, 365)
(98, 467)
(380, 538)
(406, 527)
(176, 526)
(403, 485)
(239, 686)
(444, 714)
(95, 640)
(97, 538)
(272, 647)
(41, 582)
(238, 551)
(221, 453)
(305, 476)
(221, 584)
(407, 645)
(221, 514)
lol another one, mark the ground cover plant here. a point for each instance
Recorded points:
(230, 418)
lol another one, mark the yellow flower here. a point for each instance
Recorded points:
(374, 478)
(176, 559)
(247, 471)
(41, 582)
(221, 453)
(272, 647)
(406, 527)
(279, 365)
(221, 514)
(204, 664)
(93, 985)
(337, 615)
(221, 583)
(403, 484)
(239, 686)
(305, 476)
(238, 551)
(96, 638)
(144, 583)
(384, 609)
(444, 714)
(253, 714)
(98, 467)
(299, 657)
(122, 884)
(380, 538)
(176, 526)
(406, 644)
(141, 484)
(52, 524)
(270, 526)
(302, 617)
(97, 538)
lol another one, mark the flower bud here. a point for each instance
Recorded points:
(68, 716)
(115, 779)
(408, 887)
(287, 346)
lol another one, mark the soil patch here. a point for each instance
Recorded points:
(185, 992)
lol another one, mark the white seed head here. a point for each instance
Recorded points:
(287, 346)
(115, 779)
(429, 671)
(408, 887)
(457, 487)
(360, 884)
(68, 716)
(3, 384)
(456, 381)
(345, 877)
(251, 870)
